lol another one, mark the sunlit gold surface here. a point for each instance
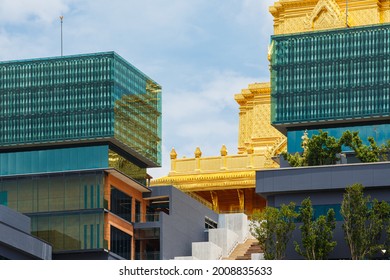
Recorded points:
(227, 182)
(293, 16)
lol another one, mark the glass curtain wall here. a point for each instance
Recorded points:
(331, 75)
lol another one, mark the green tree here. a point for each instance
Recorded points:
(363, 222)
(320, 149)
(273, 228)
(371, 153)
(317, 234)
(323, 149)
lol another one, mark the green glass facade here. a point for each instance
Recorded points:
(53, 160)
(65, 209)
(79, 99)
(65, 123)
(334, 76)
(49, 193)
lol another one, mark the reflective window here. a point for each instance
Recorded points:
(84, 97)
(54, 192)
(331, 75)
(69, 231)
(52, 160)
(121, 204)
(120, 243)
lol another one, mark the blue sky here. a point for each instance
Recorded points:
(201, 52)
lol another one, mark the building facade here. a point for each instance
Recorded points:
(329, 71)
(78, 133)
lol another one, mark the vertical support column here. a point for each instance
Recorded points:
(241, 200)
(214, 199)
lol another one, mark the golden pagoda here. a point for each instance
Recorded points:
(226, 183)
(294, 16)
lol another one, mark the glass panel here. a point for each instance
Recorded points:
(120, 243)
(342, 74)
(83, 97)
(121, 204)
(4, 198)
(127, 167)
(52, 160)
(73, 231)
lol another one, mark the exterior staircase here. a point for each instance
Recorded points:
(243, 251)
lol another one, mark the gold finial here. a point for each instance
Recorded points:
(173, 154)
(198, 152)
(223, 151)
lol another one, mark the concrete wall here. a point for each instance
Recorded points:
(206, 251)
(16, 242)
(224, 238)
(184, 224)
(238, 223)
(329, 177)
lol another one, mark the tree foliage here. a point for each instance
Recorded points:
(322, 149)
(364, 222)
(363, 152)
(273, 228)
(317, 234)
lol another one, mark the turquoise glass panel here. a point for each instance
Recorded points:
(4, 198)
(380, 133)
(54, 192)
(332, 75)
(54, 160)
(80, 98)
(70, 231)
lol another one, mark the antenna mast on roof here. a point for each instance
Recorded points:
(62, 46)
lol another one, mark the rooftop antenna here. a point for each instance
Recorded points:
(62, 45)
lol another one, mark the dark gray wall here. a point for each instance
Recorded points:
(16, 242)
(184, 224)
(324, 185)
(331, 177)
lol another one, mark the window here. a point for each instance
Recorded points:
(209, 223)
(3, 198)
(121, 204)
(137, 211)
(120, 243)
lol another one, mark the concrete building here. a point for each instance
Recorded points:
(16, 241)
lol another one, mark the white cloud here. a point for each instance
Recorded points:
(208, 116)
(26, 11)
(202, 53)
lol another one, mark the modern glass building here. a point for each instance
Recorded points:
(77, 135)
(334, 80)
(83, 99)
